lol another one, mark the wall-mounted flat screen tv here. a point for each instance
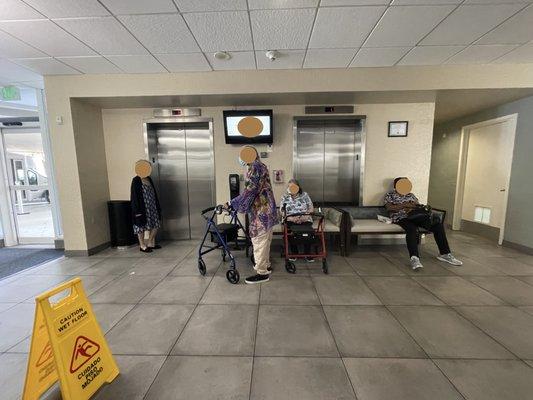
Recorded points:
(248, 126)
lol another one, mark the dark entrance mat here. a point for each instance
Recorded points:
(13, 260)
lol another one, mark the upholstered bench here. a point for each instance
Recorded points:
(364, 220)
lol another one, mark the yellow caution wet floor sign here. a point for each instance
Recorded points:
(67, 344)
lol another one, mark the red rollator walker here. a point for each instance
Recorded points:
(311, 235)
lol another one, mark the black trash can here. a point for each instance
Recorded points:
(120, 223)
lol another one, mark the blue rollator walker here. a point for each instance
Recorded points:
(221, 235)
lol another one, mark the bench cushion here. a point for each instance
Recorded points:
(374, 226)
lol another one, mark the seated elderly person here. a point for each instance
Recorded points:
(405, 210)
(296, 201)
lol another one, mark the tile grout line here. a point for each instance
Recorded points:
(255, 344)
(182, 329)
(334, 341)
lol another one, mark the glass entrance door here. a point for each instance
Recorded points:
(29, 192)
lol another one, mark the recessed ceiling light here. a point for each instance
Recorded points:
(222, 55)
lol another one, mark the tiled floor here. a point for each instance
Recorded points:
(371, 330)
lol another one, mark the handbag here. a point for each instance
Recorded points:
(422, 213)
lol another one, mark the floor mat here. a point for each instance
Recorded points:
(13, 260)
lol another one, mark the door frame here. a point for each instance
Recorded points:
(362, 158)
(461, 170)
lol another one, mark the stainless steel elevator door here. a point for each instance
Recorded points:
(172, 182)
(310, 159)
(339, 162)
(200, 174)
(327, 159)
(183, 173)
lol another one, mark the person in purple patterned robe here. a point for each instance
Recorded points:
(257, 200)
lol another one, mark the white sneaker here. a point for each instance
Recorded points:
(450, 259)
(292, 259)
(415, 263)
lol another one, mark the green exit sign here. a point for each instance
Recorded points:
(10, 93)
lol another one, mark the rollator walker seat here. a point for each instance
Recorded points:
(220, 235)
(312, 235)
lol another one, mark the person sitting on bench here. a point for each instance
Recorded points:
(405, 210)
(296, 201)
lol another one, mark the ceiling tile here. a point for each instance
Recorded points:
(16, 9)
(46, 66)
(423, 2)
(210, 5)
(277, 29)
(287, 59)
(139, 6)
(468, 23)
(406, 25)
(68, 8)
(270, 4)
(14, 48)
(184, 62)
(137, 64)
(329, 3)
(91, 65)
(328, 58)
(515, 30)
(161, 33)
(46, 36)
(105, 35)
(480, 54)
(523, 54)
(224, 31)
(13, 72)
(378, 56)
(429, 55)
(238, 60)
(344, 26)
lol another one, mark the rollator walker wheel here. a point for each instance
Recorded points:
(325, 268)
(290, 267)
(201, 267)
(232, 275)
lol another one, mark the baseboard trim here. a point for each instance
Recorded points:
(486, 231)
(519, 247)
(86, 253)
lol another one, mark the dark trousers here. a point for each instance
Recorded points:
(412, 236)
(293, 246)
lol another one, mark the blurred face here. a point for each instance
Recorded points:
(143, 168)
(247, 155)
(403, 186)
(293, 188)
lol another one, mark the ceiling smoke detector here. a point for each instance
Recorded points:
(272, 55)
(222, 55)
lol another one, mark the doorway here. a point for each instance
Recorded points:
(26, 172)
(327, 158)
(484, 174)
(181, 152)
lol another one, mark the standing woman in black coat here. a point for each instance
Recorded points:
(145, 208)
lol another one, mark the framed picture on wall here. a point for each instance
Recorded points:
(398, 128)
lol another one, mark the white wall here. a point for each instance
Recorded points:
(386, 157)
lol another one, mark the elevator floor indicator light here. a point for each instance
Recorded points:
(67, 345)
